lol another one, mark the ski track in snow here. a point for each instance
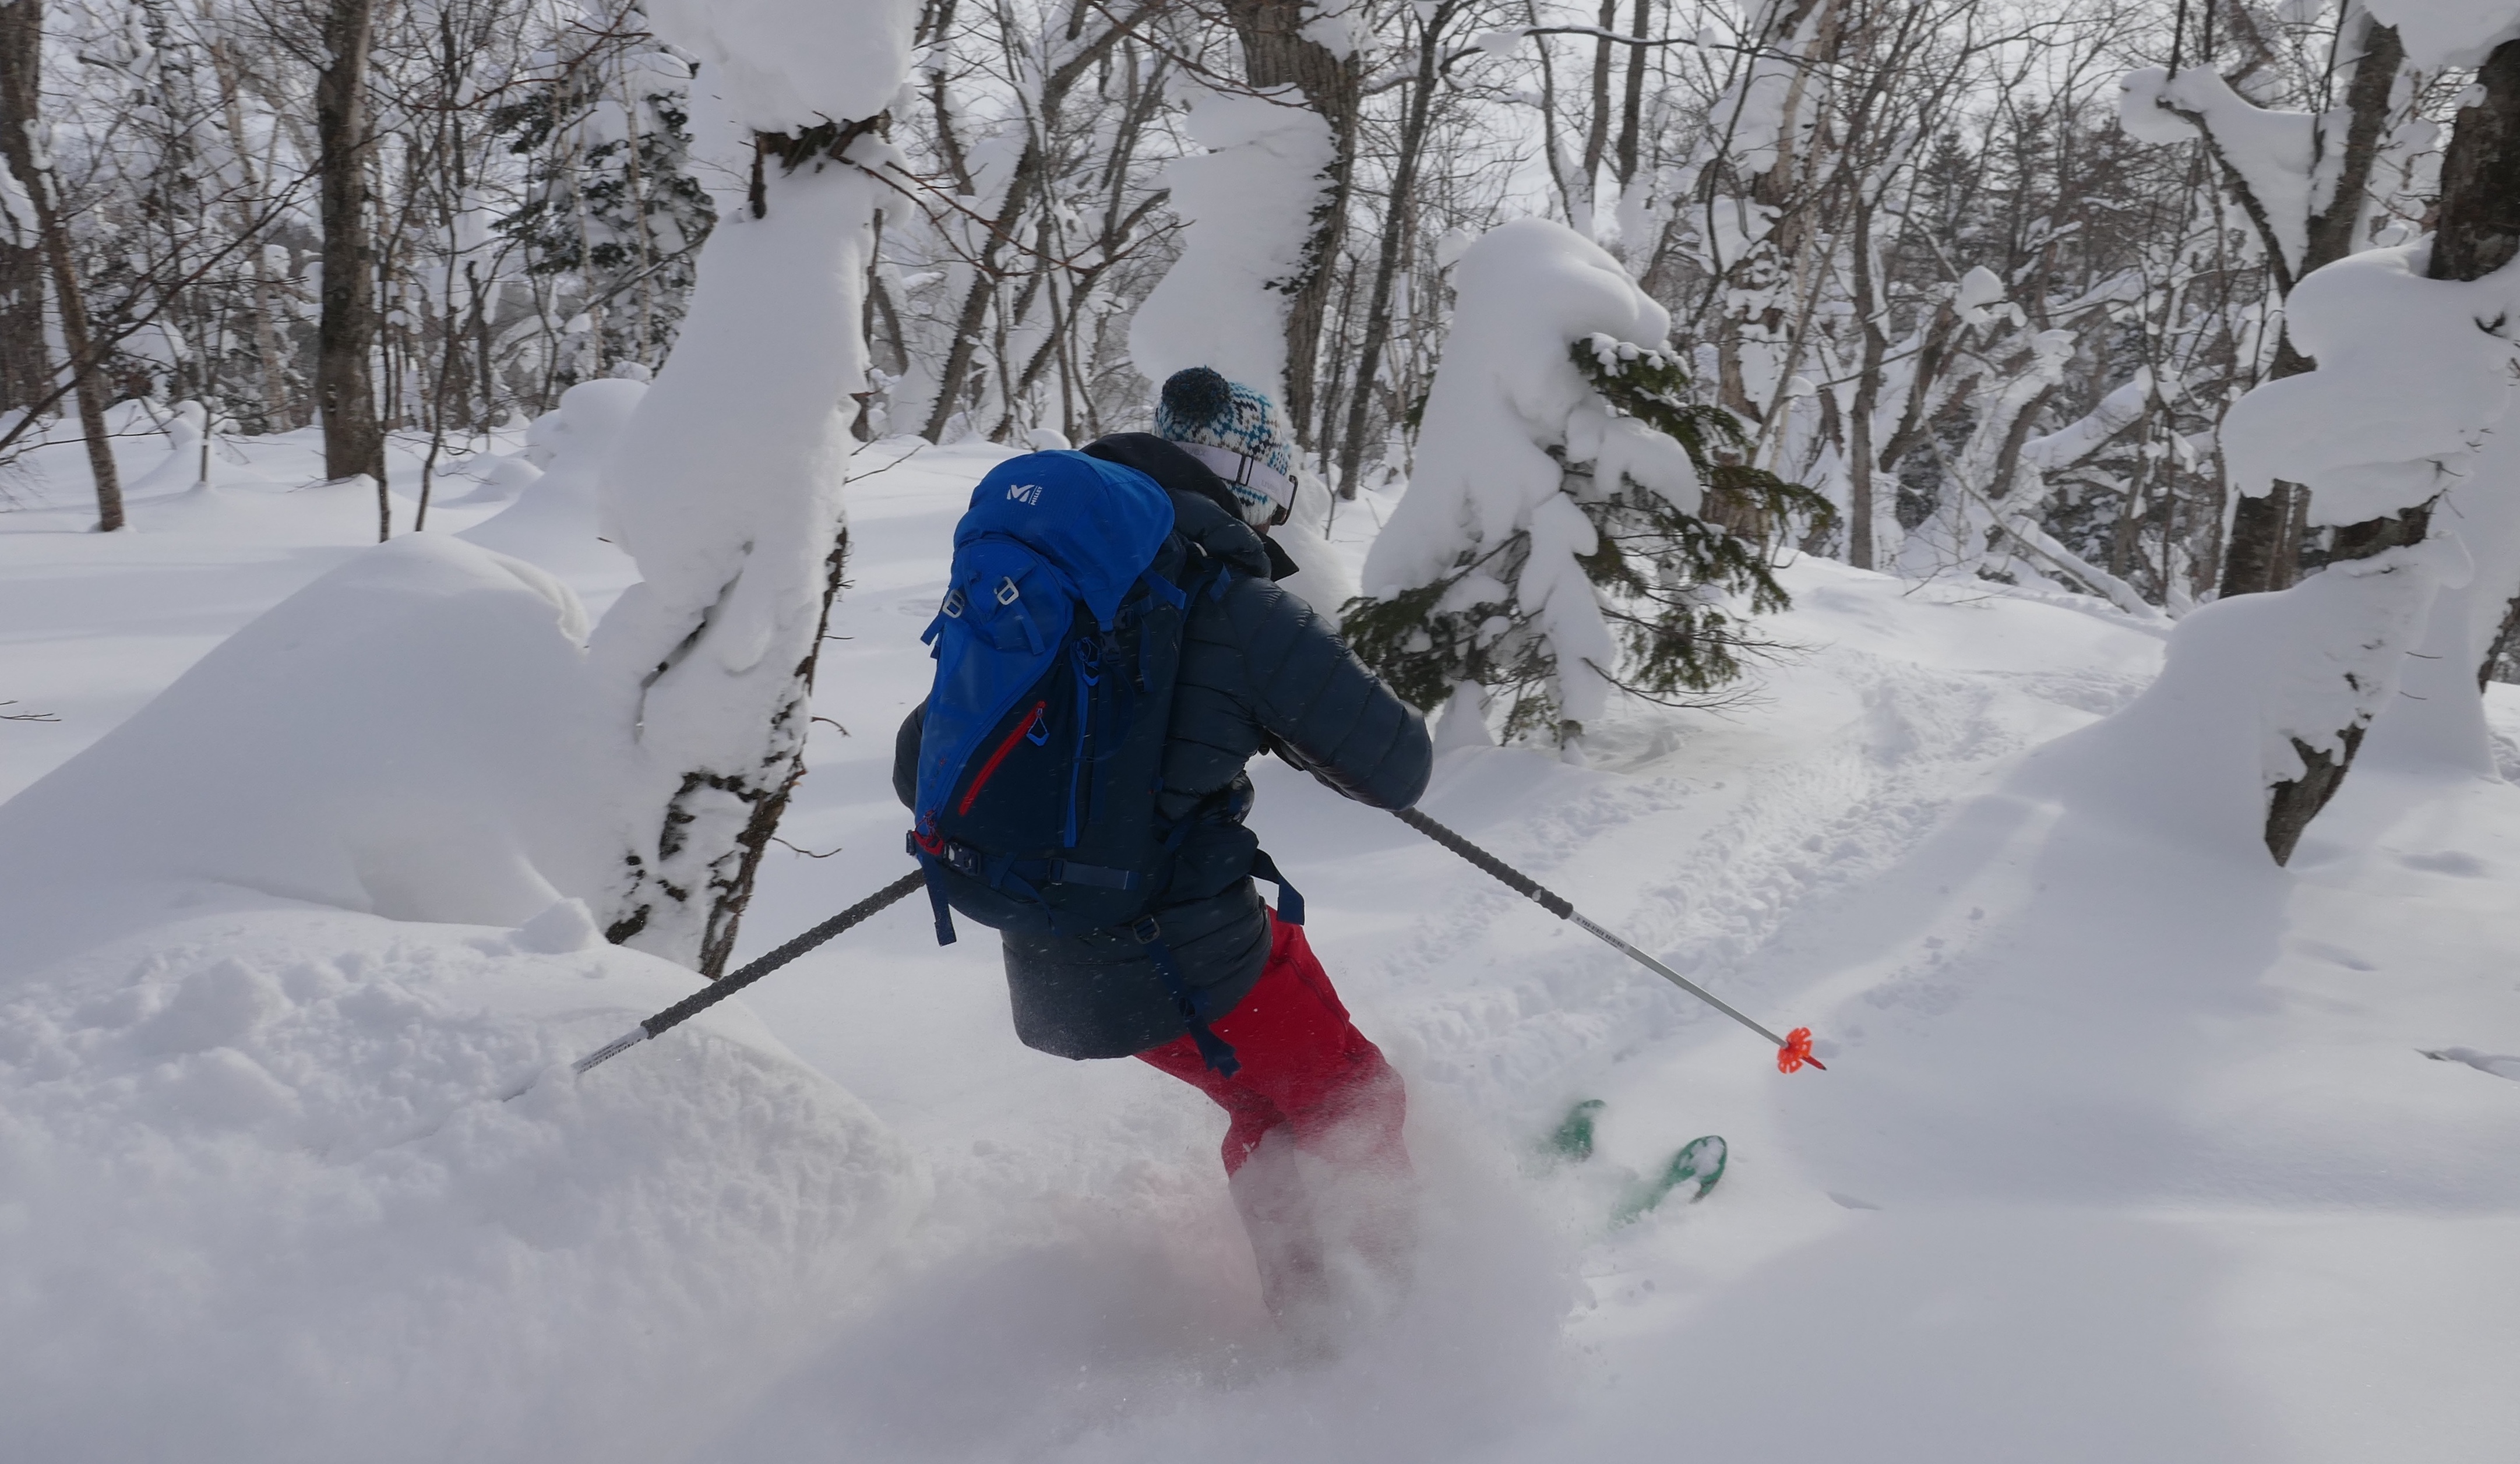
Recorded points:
(1752, 852)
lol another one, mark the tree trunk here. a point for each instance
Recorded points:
(765, 796)
(1868, 389)
(1386, 265)
(2479, 228)
(2478, 232)
(21, 71)
(1776, 186)
(1275, 53)
(2260, 555)
(1597, 130)
(25, 369)
(725, 671)
(25, 375)
(1633, 106)
(2263, 552)
(346, 333)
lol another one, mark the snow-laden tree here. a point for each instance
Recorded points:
(1247, 204)
(2403, 435)
(611, 203)
(2305, 180)
(726, 488)
(1022, 205)
(32, 216)
(1571, 528)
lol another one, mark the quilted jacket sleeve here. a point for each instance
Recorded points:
(1316, 702)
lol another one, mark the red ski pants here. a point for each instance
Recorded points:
(1304, 1065)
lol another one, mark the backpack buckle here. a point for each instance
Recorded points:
(1146, 930)
(954, 602)
(1007, 594)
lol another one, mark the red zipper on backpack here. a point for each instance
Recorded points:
(991, 766)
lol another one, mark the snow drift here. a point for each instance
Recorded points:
(555, 519)
(409, 736)
(256, 1015)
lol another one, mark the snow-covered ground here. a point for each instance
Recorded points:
(2125, 1151)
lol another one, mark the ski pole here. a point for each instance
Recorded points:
(727, 986)
(1793, 1050)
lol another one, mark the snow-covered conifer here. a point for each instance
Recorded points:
(1572, 527)
(611, 203)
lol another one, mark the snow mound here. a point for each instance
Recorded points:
(412, 735)
(553, 521)
(255, 1165)
(2190, 761)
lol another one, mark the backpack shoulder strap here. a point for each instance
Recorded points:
(1213, 1050)
(1290, 902)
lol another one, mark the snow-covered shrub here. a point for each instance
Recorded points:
(1574, 525)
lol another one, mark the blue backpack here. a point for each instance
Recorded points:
(1042, 747)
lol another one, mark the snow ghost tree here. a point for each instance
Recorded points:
(1572, 526)
(725, 486)
(1248, 201)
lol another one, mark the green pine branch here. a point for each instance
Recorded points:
(1674, 584)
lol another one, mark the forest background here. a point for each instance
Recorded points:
(1910, 245)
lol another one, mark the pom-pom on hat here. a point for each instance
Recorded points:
(1238, 433)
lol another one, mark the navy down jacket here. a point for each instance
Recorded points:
(1259, 670)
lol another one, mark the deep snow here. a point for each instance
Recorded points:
(2128, 1149)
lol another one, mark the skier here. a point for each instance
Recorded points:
(1313, 1154)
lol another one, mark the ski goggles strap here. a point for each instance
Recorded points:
(1252, 482)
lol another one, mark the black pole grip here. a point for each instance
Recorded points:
(727, 986)
(1503, 873)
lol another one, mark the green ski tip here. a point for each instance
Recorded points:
(1574, 1138)
(1699, 1162)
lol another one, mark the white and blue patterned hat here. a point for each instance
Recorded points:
(1236, 432)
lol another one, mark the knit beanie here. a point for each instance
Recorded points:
(1236, 432)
